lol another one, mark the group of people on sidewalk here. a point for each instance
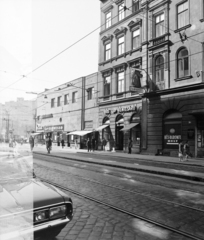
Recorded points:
(184, 151)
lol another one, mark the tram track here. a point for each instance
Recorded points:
(67, 163)
(134, 192)
(137, 216)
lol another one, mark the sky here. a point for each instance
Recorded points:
(34, 31)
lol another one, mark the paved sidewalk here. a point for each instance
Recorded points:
(191, 161)
(172, 168)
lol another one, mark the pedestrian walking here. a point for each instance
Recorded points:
(186, 150)
(180, 153)
(93, 144)
(31, 142)
(62, 143)
(129, 146)
(49, 144)
(88, 144)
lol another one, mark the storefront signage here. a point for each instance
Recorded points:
(172, 139)
(132, 108)
(47, 116)
(54, 128)
(39, 127)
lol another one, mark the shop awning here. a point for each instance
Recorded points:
(129, 126)
(36, 133)
(80, 133)
(101, 127)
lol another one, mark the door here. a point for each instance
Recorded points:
(119, 138)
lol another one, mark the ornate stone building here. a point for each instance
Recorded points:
(163, 41)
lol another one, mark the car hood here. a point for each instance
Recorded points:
(27, 194)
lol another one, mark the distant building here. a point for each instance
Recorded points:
(17, 118)
(70, 107)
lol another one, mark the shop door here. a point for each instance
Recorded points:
(119, 138)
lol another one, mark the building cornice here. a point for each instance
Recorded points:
(107, 9)
(120, 100)
(193, 87)
(122, 21)
(158, 5)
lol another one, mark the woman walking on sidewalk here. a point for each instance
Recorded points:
(180, 154)
(186, 150)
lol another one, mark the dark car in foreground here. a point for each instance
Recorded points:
(29, 208)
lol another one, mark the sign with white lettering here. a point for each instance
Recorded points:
(131, 108)
(54, 128)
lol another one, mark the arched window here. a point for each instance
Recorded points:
(159, 69)
(182, 63)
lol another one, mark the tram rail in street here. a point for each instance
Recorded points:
(164, 226)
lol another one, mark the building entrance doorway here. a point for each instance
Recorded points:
(119, 124)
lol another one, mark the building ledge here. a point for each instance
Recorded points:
(191, 87)
(183, 78)
(182, 28)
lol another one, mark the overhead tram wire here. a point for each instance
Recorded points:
(112, 78)
(97, 106)
(153, 21)
(49, 60)
(173, 60)
(125, 8)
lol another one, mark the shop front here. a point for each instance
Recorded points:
(122, 123)
(56, 132)
(174, 115)
(198, 133)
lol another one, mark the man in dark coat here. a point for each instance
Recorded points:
(129, 146)
(93, 144)
(49, 144)
(88, 143)
(62, 142)
(31, 141)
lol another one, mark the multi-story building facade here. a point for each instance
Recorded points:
(123, 47)
(69, 107)
(17, 118)
(176, 63)
(163, 40)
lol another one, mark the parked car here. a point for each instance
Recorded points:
(29, 207)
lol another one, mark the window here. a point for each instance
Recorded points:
(52, 102)
(107, 51)
(135, 5)
(136, 39)
(59, 101)
(108, 20)
(121, 11)
(182, 63)
(160, 28)
(159, 69)
(121, 45)
(90, 93)
(183, 15)
(74, 97)
(107, 85)
(121, 82)
(66, 99)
